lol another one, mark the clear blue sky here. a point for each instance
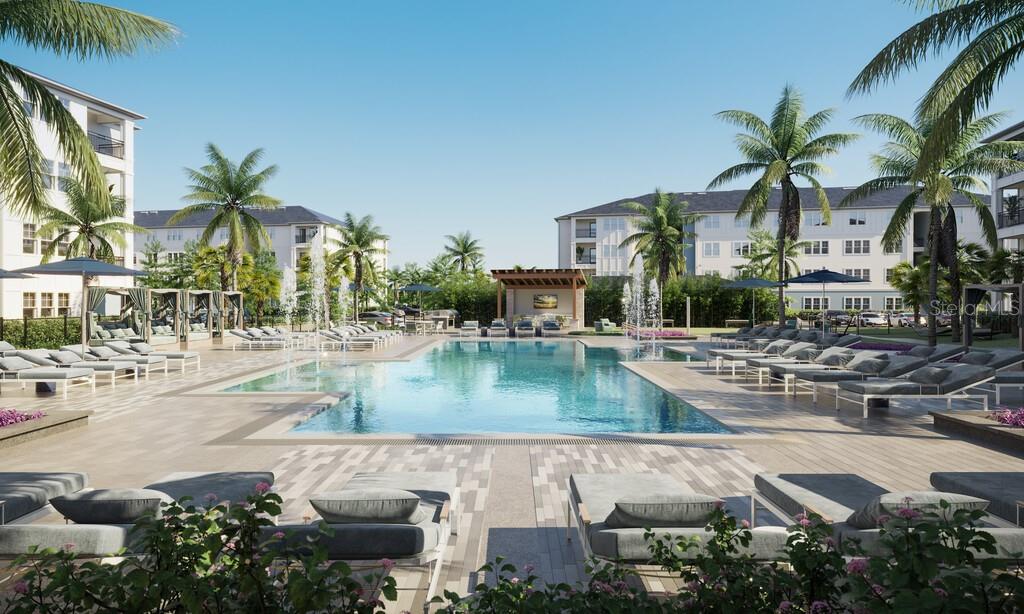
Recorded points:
(492, 117)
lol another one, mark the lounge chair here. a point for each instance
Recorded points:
(922, 331)
(470, 328)
(723, 337)
(799, 352)
(931, 382)
(1004, 490)
(550, 327)
(144, 349)
(250, 341)
(1003, 361)
(599, 505)
(525, 328)
(604, 325)
(17, 368)
(421, 540)
(498, 328)
(68, 360)
(853, 505)
(102, 353)
(359, 334)
(841, 360)
(26, 494)
(886, 368)
(347, 340)
(937, 353)
(731, 357)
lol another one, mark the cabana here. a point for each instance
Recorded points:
(165, 320)
(974, 294)
(196, 323)
(226, 313)
(133, 316)
(541, 293)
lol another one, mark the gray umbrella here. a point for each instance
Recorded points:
(824, 276)
(753, 284)
(85, 268)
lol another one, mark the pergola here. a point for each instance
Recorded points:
(974, 294)
(513, 281)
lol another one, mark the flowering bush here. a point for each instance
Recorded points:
(198, 559)
(1009, 417)
(9, 416)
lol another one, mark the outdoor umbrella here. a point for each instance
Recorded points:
(753, 284)
(824, 276)
(86, 268)
(419, 289)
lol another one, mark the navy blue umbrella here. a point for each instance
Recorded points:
(753, 284)
(85, 268)
(419, 289)
(824, 276)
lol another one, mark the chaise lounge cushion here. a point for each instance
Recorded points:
(870, 366)
(929, 376)
(90, 540)
(433, 488)
(881, 386)
(368, 506)
(834, 495)
(37, 357)
(64, 357)
(230, 486)
(663, 510)
(926, 502)
(142, 347)
(1002, 489)
(24, 492)
(110, 506)
(361, 541)
(15, 363)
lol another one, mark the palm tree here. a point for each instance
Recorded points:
(361, 239)
(97, 225)
(991, 33)
(438, 268)
(660, 231)
(231, 192)
(68, 28)
(912, 283)
(784, 148)
(960, 173)
(763, 259)
(464, 251)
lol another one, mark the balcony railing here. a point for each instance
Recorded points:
(105, 145)
(1008, 218)
(586, 233)
(587, 260)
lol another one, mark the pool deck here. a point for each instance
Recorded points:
(139, 433)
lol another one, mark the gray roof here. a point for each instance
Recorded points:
(282, 216)
(727, 201)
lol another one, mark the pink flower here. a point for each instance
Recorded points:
(210, 497)
(528, 568)
(745, 523)
(279, 535)
(719, 504)
(693, 586)
(514, 580)
(908, 513)
(857, 567)
(387, 564)
(262, 488)
(884, 518)
(805, 522)
(21, 587)
(820, 607)
(940, 592)
(785, 606)
(877, 589)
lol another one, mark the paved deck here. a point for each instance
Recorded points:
(513, 490)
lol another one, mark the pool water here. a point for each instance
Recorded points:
(500, 387)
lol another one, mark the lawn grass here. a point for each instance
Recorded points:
(902, 333)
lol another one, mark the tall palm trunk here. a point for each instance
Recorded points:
(934, 232)
(663, 268)
(358, 281)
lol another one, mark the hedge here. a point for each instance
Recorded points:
(48, 333)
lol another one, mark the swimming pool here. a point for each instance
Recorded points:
(500, 387)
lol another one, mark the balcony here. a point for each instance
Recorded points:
(1008, 218)
(586, 233)
(585, 260)
(107, 146)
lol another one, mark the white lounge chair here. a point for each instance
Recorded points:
(17, 368)
(144, 349)
(470, 328)
(250, 341)
(102, 353)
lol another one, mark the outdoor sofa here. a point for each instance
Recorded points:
(144, 349)
(550, 327)
(525, 328)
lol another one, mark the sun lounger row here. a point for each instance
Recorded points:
(357, 336)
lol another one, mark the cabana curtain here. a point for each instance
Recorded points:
(96, 298)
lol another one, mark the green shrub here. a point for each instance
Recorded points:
(48, 333)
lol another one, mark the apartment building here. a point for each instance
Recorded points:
(291, 229)
(1006, 193)
(852, 243)
(111, 129)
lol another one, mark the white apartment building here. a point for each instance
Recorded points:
(111, 129)
(1006, 193)
(851, 244)
(291, 229)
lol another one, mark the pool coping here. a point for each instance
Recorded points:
(275, 427)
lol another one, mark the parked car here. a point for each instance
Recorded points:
(380, 317)
(836, 316)
(906, 319)
(870, 318)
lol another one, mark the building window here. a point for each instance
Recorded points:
(174, 235)
(49, 174)
(896, 249)
(44, 241)
(888, 275)
(28, 238)
(712, 222)
(174, 256)
(857, 303)
(741, 222)
(711, 249)
(894, 303)
(815, 303)
(856, 247)
(28, 304)
(63, 304)
(62, 245)
(858, 218)
(864, 274)
(814, 218)
(587, 255)
(740, 248)
(63, 176)
(304, 234)
(270, 233)
(46, 305)
(816, 248)
(29, 107)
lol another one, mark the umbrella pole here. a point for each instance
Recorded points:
(823, 310)
(85, 317)
(753, 304)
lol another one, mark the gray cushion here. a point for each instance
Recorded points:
(38, 357)
(976, 358)
(829, 375)
(796, 349)
(789, 334)
(368, 506)
(836, 359)
(847, 340)
(600, 491)
(53, 374)
(6, 347)
(177, 355)
(881, 386)
(1002, 489)
(14, 363)
(434, 488)
(232, 486)
(945, 351)
(104, 334)
(360, 541)
(26, 491)
(927, 502)
(863, 355)
(662, 510)
(929, 376)
(103, 352)
(901, 365)
(65, 358)
(921, 351)
(777, 347)
(629, 545)
(962, 376)
(1002, 359)
(89, 540)
(870, 366)
(142, 348)
(110, 506)
(835, 495)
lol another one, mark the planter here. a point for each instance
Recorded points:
(977, 427)
(50, 424)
